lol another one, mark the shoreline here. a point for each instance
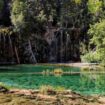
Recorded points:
(78, 64)
(34, 97)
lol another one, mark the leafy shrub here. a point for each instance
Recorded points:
(97, 34)
(94, 5)
(91, 57)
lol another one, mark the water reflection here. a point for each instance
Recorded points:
(93, 80)
(86, 81)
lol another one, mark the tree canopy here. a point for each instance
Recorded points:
(55, 30)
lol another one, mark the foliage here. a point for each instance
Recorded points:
(41, 25)
(77, 1)
(94, 6)
(27, 17)
(91, 57)
(19, 11)
(97, 34)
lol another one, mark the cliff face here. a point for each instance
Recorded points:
(58, 44)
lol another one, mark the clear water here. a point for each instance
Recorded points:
(23, 77)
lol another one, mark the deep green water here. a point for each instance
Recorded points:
(23, 77)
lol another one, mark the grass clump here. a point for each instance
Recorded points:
(50, 90)
(59, 89)
(47, 89)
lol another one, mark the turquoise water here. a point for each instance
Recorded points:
(23, 77)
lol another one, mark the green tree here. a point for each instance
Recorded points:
(94, 6)
(96, 33)
(20, 16)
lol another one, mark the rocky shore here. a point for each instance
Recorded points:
(35, 97)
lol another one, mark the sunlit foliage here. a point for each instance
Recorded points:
(94, 6)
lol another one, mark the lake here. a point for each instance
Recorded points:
(35, 76)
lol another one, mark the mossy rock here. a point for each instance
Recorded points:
(3, 89)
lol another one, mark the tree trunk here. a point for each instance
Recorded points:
(29, 56)
(17, 56)
(11, 46)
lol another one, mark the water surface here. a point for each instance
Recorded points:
(23, 76)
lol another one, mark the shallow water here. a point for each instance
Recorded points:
(24, 76)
